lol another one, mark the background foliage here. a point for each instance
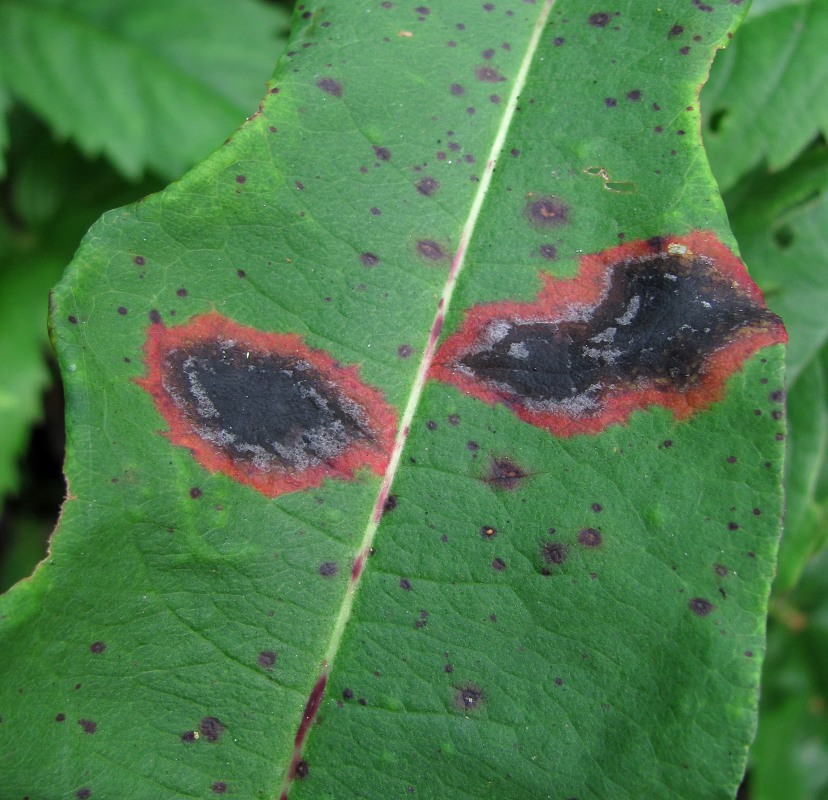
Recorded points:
(104, 101)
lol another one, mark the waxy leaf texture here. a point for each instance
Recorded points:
(425, 440)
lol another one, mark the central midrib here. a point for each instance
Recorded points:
(418, 385)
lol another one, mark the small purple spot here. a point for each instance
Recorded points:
(88, 726)
(330, 86)
(155, 317)
(430, 249)
(60, 718)
(327, 569)
(84, 793)
(369, 259)
(302, 770)
(382, 153)
(634, 96)
(676, 30)
(267, 658)
(405, 584)
(139, 260)
(610, 102)
(188, 737)
(195, 492)
(122, 310)
(404, 350)
(456, 89)
(211, 728)
(219, 787)
(427, 186)
(488, 74)
(558, 41)
(684, 50)
(498, 564)
(182, 292)
(376, 212)
(589, 537)
(599, 20)
(97, 647)
(241, 179)
(700, 607)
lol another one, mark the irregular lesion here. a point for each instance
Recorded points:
(657, 323)
(267, 409)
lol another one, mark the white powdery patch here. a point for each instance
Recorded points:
(518, 350)
(632, 309)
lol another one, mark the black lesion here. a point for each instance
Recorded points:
(658, 323)
(263, 408)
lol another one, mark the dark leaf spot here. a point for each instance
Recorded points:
(219, 787)
(182, 292)
(327, 569)
(733, 526)
(211, 728)
(589, 537)
(684, 50)
(431, 425)
(267, 658)
(405, 584)
(188, 737)
(549, 252)
(700, 607)
(456, 89)
(610, 102)
(488, 74)
(503, 473)
(139, 260)
(676, 30)
(634, 96)
(60, 717)
(330, 86)
(721, 570)
(83, 793)
(241, 179)
(428, 248)
(453, 419)
(73, 320)
(347, 694)
(488, 532)
(122, 310)
(468, 697)
(473, 446)
(301, 770)
(558, 41)
(97, 647)
(390, 503)
(404, 350)
(597, 508)
(427, 186)
(553, 552)
(599, 20)
(88, 726)
(376, 212)
(382, 153)
(547, 211)
(195, 492)
(369, 259)
(498, 564)
(155, 317)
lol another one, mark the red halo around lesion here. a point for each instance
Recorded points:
(586, 289)
(370, 453)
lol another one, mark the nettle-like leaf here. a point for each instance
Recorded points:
(151, 85)
(423, 440)
(768, 95)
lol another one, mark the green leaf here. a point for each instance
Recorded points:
(768, 94)
(24, 288)
(5, 102)
(790, 755)
(520, 598)
(152, 85)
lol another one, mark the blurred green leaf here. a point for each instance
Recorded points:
(767, 97)
(5, 103)
(153, 85)
(789, 760)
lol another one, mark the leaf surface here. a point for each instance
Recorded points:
(467, 596)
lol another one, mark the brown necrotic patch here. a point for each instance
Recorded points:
(468, 697)
(660, 322)
(547, 211)
(264, 408)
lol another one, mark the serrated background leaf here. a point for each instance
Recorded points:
(162, 65)
(768, 96)
(158, 603)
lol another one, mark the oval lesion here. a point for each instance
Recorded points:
(264, 408)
